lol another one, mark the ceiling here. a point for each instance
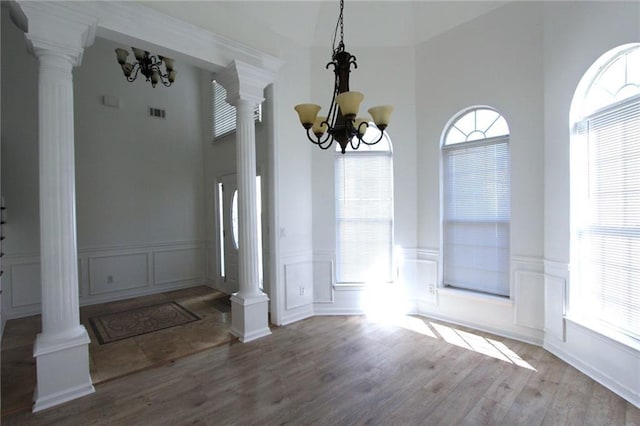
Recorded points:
(262, 24)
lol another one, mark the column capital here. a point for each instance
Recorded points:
(244, 82)
(52, 27)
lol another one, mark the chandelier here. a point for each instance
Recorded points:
(341, 122)
(147, 65)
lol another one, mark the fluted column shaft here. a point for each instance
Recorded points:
(247, 207)
(58, 246)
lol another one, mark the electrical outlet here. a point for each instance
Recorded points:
(431, 289)
(109, 279)
(301, 290)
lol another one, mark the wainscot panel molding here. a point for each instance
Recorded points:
(26, 271)
(177, 265)
(426, 280)
(347, 300)
(529, 299)
(297, 291)
(323, 276)
(298, 281)
(117, 272)
(555, 290)
(107, 274)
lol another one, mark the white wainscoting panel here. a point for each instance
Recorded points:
(323, 281)
(108, 273)
(555, 302)
(171, 266)
(27, 276)
(112, 273)
(426, 280)
(298, 279)
(529, 299)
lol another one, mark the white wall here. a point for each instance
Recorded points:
(292, 197)
(495, 60)
(576, 34)
(139, 180)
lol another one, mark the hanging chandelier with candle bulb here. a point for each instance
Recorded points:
(148, 65)
(341, 123)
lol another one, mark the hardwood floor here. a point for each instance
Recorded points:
(112, 360)
(353, 370)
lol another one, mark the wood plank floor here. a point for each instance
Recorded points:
(353, 370)
(120, 358)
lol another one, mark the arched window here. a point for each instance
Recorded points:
(476, 202)
(605, 193)
(364, 212)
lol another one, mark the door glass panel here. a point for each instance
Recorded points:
(234, 218)
(221, 228)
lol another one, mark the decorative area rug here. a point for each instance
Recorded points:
(122, 325)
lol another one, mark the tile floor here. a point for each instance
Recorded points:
(123, 357)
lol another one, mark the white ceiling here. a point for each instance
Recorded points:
(261, 24)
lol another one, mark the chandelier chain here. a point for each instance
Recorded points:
(341, 22)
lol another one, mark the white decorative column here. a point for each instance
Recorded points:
(249, 306)
(61, 350)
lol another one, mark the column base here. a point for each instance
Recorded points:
(62, 366)
(249, 316)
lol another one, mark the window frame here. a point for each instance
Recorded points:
(579, 308)
(445, 149)
(368, 151)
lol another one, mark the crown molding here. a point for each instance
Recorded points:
(132, 22)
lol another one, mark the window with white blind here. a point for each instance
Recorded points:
(605, 196)
(364, 213)
(224, 114)
(476, 202)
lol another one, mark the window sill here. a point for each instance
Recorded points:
(472, 295)
(605, 333)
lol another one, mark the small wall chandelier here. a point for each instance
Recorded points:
(340, 123)
(148, 65)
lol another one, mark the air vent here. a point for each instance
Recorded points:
(156, 112)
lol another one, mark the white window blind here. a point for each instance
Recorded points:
(364, 215)
(476, 215)
(224, 114)
(608, 221)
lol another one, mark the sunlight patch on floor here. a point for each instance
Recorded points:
(480, 344)
(386, 303)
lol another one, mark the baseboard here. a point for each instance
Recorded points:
(593, 373)
(290, 319)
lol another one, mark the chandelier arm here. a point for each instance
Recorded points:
(374, 142)
(134, 75)
(319, 141)
(327, 146)
(357, 144)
